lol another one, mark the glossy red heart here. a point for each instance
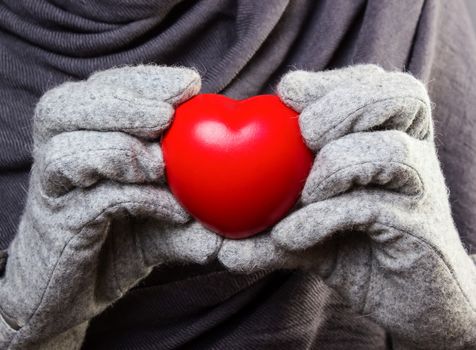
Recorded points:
(236, 166)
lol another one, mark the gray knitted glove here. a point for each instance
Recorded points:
(376, 222)
(98, 217)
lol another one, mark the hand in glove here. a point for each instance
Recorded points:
(375, 222)
(98, 216)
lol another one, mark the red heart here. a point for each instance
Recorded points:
(236, 166)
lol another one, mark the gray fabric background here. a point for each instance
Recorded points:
(241, 48)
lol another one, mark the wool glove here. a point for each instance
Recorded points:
(375, 220)
(98, 216)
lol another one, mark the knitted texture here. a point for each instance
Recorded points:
(375, 221)
(98, 216)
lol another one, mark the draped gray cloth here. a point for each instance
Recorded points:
(241, 48)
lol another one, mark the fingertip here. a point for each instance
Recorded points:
(188, 84)
(240, 256)
(310, 126)
(178, 215)
(229, 257)
(294, 89)
(201, 245)
(286, 236)
(296, 232)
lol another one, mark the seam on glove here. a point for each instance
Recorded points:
(335, 126)
(436, 251)
(417, 196)
(114, 268)
(119, 286)
(138, 246)
(3, 261)
(9, 320)
(369, 280)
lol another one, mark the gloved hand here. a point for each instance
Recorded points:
(98, 216)
(375, 221)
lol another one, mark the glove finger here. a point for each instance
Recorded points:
(109, 200)
(173, 85)
(256, 254)
(81, 106)
(389, 160)
(397, 101)
(298, 89)
(318, 222)
(82, 158)
(178, 243)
